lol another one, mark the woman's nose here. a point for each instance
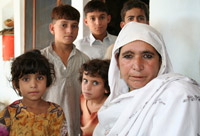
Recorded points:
(138, 64)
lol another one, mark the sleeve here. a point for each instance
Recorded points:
(180, 115)
(5, 119)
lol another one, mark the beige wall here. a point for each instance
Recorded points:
(179, 22)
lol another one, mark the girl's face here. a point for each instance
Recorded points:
(32, 86)
(139, 63)
(93, 87)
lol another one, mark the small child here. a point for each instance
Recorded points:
(97, 19)
(95, 90)
(32, 74)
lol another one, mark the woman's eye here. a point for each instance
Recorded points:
(148, 56)
(95, 83)
(127, 56)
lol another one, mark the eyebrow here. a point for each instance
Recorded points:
(143, 52)
(149, 52)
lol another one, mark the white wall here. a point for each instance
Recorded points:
(83, 30)
(10, 9)
(179, 23)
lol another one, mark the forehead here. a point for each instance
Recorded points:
(96, 13)
(138, 46)
(59, 21)
(94, 76)
(135, 12)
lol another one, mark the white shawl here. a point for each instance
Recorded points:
(168, 105)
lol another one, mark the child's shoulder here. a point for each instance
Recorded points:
(81, 56)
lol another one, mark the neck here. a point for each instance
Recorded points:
(62, 48)
(100, 37)
(63, 52)
(32, 104)
(95, 105)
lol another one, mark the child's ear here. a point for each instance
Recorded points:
(51, 28)
(122, 23)
(109, 18)
(85, 21)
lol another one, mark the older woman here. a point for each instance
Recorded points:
(147, 98)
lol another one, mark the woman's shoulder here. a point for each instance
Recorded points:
(177, 85)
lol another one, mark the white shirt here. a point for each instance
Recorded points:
(66, 90)
(95, 48)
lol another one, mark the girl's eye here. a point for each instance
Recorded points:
(95, 83)
(40, 77)
(25, 79)
(85, 80)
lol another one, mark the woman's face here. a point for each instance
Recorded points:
(139, 63)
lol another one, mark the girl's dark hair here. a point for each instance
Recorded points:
(96, 68)
(31, 62)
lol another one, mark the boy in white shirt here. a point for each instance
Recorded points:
(97, 19)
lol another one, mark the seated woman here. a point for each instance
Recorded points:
(147, 98)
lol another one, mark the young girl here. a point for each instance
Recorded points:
(32, 74)
(95, 90)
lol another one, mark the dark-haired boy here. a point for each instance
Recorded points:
(97, 19)
(67, 60)
(133, 10)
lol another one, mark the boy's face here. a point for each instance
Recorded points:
(93, 87)
(135, 15)
(97, 22)
(65, 31)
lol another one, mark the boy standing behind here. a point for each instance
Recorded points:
(132, 11)
(97, 19)
(67, 60)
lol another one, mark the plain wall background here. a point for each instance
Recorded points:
(179, 23)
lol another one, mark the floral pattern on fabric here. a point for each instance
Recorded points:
(20, 122)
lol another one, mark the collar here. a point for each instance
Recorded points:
(93, 41)
(73, 52)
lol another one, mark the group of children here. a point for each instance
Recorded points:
(54, 102)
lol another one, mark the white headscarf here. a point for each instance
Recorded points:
(131, 32)
(168, 102)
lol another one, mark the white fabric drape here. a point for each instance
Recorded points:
(169, 105)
